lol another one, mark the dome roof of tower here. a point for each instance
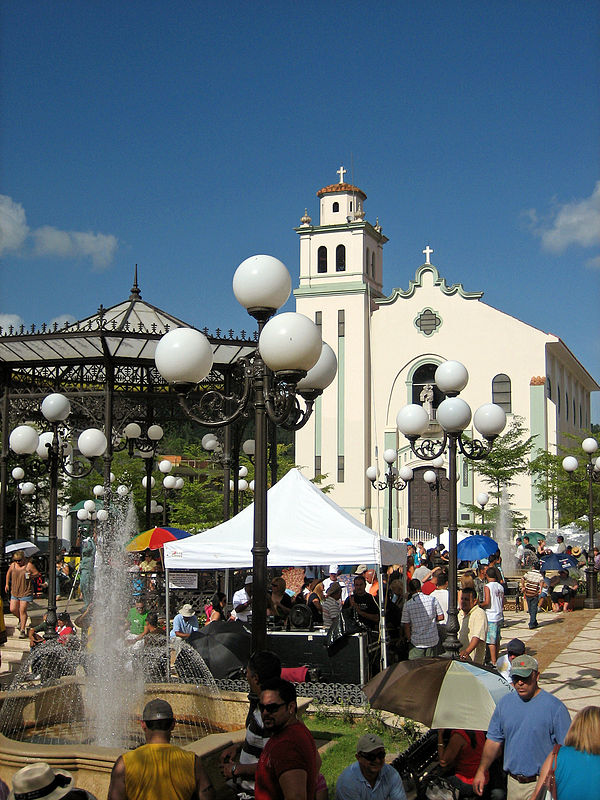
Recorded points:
(341, 187)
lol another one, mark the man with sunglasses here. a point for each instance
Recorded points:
(527, 723)
(288, 766)
(369, 778)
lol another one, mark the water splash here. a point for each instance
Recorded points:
(503, 535)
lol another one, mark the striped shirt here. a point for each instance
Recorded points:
(255, 741)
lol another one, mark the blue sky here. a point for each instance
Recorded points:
(186, 136)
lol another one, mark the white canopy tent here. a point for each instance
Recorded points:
(304, 527)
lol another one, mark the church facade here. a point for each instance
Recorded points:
(388, 349)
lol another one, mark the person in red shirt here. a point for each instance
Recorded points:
(461, 756)
(430, 584)
(289, 763)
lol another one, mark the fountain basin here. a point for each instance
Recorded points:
(33, 710)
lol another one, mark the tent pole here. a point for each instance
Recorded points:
(168, 625)
(382, 627)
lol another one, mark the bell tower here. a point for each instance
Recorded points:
(341, 274)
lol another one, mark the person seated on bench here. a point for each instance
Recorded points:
(459, 757)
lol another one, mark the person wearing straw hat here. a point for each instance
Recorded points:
(185, 622)
(40, 780)
(158, 769)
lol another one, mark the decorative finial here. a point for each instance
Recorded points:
(135, 291)
(377, 225)
(428, 251)
(305, 220)
(341, 172)
(359, 214)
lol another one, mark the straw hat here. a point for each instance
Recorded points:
(40, 780)
(576, 551)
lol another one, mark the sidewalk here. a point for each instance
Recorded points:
(566, 647)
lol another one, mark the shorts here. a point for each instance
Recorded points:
(27, 599)
(493, 632)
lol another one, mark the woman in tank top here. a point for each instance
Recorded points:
(19, 581)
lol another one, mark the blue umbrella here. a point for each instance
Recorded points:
(472, 548)
(558, 561)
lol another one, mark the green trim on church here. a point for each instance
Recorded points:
(539, 516)
(328, 289)
(417, 283)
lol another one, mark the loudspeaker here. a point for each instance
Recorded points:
(301, 618)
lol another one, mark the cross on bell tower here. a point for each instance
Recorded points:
(341, 172)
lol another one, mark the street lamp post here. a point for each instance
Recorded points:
(592, 475)
(291, 362)
(146, 445)
(454, 416)
(436, 483)
(482, 500)
(56, 453)
(393, 479)
(22, 489)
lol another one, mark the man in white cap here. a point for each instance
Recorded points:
(369, 776)
(40, 780)
(242, 601)
(185, 623)
(158, 770)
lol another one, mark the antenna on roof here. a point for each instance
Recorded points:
(135, 291)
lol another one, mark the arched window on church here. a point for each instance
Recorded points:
(501, 392)
(335, 206)
(322, 259)
(424, 377)
(340, 258)
(373, 264)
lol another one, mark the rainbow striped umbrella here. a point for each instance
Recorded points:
(154, 539)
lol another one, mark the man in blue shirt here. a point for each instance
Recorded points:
(185, 623)
(528, 723)
(369, 778)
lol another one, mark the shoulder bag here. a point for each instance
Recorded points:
(548, 788)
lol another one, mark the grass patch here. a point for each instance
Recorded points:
(344, 729)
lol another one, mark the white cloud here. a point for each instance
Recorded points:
(48, 241)
(577, 223)
(62, 320)
(593, 263)
(13, 225)
(6, 320)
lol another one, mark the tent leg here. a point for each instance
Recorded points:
(382, 627)
(168, 625)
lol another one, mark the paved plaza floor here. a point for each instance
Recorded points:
(567, 647)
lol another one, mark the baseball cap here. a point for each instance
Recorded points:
(369, 742)
(157, 709)
(359, 571)
(523, 666)
(333, 568)
(515, 647)
(248, 580)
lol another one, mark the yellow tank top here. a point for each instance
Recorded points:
(159, 771)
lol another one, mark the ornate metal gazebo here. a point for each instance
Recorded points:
(104, 364)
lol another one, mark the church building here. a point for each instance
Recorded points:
(388, 349)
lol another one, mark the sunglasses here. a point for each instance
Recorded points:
(378, 755)
(270, 708)
(521, 679)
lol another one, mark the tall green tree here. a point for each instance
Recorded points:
(568, 494)
(507, 460)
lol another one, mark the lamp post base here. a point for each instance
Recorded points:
(592, 600)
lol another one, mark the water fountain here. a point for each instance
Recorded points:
(81, 708)
(503, 535)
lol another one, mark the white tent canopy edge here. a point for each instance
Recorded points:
(304, 527)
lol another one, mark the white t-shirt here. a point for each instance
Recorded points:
(239, 599)
(442, 597)
(495, 612)
(503, 667)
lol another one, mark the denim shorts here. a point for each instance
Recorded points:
(27, 599)
(493, 632)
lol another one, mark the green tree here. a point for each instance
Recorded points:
(568, 494)
(507, 459)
